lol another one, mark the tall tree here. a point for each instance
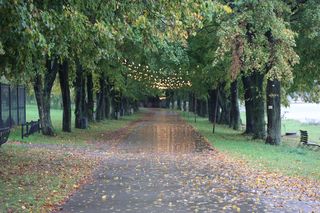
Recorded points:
(235, 111)
(43, 84)
(65, 93)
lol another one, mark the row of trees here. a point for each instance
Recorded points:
(252, 52)
(87, 46)
(114, 53)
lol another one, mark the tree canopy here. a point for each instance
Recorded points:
(133, 49)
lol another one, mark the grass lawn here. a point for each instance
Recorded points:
(290, 125)
(294, 126)
(34, 179)
(287, 159)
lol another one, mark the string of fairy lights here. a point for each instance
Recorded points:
(159, 79)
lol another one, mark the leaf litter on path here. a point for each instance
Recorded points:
(156, 168)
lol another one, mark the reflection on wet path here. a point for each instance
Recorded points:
(162, 131)
(156, 169)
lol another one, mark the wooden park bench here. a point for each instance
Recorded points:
(304, 139)
(4, 135)
(29, 128)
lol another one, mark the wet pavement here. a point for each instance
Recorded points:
(163, 165)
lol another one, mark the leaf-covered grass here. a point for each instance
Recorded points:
(96, 130)
(33, 180)
(288, 159)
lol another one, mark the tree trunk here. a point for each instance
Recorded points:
(248, 103)
(167, 99)
(273, 112)
(80, 102)
(101, 105)
(115, 102)
(172, 99)
(135, 106)
(195, 107)
(65, 92)
(234, 112)
(184, 105)
(210, 105)
(203, 110)
(258, 107)
(191, 102)
(107, 100)
(224, 103)
(42, 89)
(215, 109)
(90, 105)
(122, 103)
(198, 107)
(179, 103)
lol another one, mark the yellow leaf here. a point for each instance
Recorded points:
(227, 9)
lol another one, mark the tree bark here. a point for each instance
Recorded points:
(116, 104)
(135, 106)
(204, 108)
(172, 99)
(107, 100)
(65, 92)
(195, 107)
(191, 102)
(167, 99)
(90, 105)
(126, 105)
(210, 106)
(258, 108)
(224, 103)
(198, 107)
(273, 112)
(248, 103)
(80, 102)
(215, 109)
(179, 103)
(42, 89)
(101, 104)
(123, 105)
(235, 112)
(184, 105)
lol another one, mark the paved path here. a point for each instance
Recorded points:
(158, 167)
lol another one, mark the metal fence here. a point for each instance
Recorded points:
(13, 105)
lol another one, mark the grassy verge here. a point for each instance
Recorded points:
(96, 131)
(286, 159)
(33, 180)
(290, 125)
